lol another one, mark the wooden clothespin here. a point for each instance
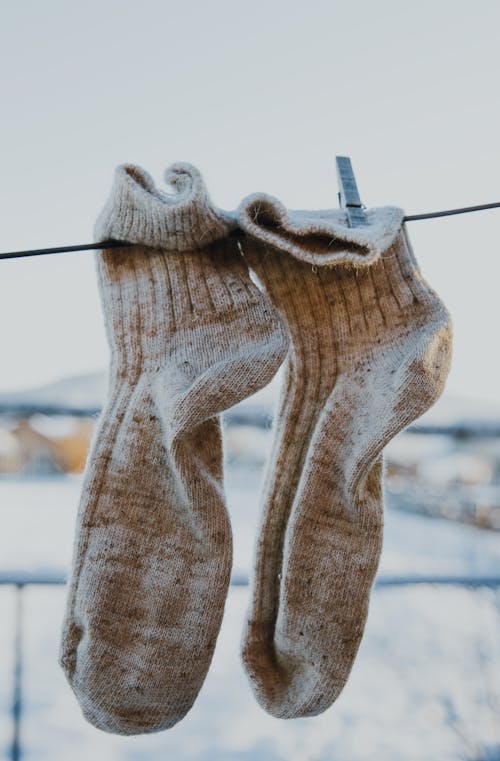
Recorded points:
(348, 193)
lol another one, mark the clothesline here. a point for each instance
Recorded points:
(121, 244)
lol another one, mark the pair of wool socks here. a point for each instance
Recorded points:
(190, 335)
(370, 352)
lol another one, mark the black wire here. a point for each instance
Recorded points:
(106, 244)
(451, 212)
(66, 249)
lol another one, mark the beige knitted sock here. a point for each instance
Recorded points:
(190, 335)
(370, 352)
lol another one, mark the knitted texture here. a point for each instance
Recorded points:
(370, 352)
(190, 335)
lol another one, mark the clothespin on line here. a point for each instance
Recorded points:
(348, 193)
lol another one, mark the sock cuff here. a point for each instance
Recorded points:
(321, 238)
(139, 212)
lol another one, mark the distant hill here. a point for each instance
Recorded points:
(84, 395)
(79, 395)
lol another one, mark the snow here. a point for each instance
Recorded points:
(426, 684)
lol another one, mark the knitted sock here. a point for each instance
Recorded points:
(190, 335)
(370, 351)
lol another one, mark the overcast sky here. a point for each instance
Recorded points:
(260, 96)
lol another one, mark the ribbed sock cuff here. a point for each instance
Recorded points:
(138, 212)
(321, 238)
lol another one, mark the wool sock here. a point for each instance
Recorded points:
(370, 351)
(190, 335)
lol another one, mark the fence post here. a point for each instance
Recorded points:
(17, 696)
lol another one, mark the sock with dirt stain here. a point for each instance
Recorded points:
(370, 351)
(190, 335)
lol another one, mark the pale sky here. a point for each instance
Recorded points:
(260, 96)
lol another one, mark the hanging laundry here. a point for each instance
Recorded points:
(367, 345)
(190, 335)
(370, 352)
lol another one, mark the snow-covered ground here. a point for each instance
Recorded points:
(426, 684)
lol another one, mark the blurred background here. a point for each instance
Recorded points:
(259, 97)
